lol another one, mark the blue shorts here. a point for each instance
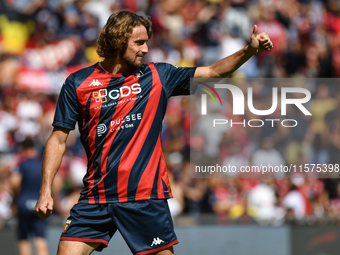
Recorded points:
(146, 226)
(31, 223)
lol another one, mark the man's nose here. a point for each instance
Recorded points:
(145, 48)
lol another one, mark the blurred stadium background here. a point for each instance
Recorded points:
(42, 41)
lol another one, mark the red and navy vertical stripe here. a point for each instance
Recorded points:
(120, 120)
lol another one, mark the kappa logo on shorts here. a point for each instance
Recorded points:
(157, 241)
(67, 224)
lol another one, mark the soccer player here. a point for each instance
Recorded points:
(119, 105)
(25, 182)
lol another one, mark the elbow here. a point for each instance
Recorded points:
(56, 143)
(214, 72)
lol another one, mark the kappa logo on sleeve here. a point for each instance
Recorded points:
(67, 224)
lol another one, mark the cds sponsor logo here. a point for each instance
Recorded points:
(102, 95)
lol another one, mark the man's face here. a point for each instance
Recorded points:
(136, 47)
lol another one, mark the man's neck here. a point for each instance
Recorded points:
(30, 153)
(115, 66)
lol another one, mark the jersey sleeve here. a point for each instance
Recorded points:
(66, 113)
(175, 80)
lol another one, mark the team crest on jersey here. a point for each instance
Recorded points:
(67, 224)
(139, 74)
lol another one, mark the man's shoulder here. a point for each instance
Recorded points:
(29, 161)
(87, 70)
(164, 64)
(162, 67)
(76, 78)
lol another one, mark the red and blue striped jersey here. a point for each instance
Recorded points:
(120, 121)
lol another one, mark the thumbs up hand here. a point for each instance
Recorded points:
(260, 42)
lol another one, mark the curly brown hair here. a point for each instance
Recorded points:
(114, 36)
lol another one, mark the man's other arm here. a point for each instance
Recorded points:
(226, 66)
(54, 151)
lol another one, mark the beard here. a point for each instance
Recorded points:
(131, 61)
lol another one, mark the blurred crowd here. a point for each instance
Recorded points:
(42, 41)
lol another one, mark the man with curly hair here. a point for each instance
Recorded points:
(119, 105)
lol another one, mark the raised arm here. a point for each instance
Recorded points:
(226, 66)
(54, 151)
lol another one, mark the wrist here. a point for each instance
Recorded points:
(251, 50)
(46, 192)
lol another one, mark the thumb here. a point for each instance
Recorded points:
(255, 30)
(49, 206)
